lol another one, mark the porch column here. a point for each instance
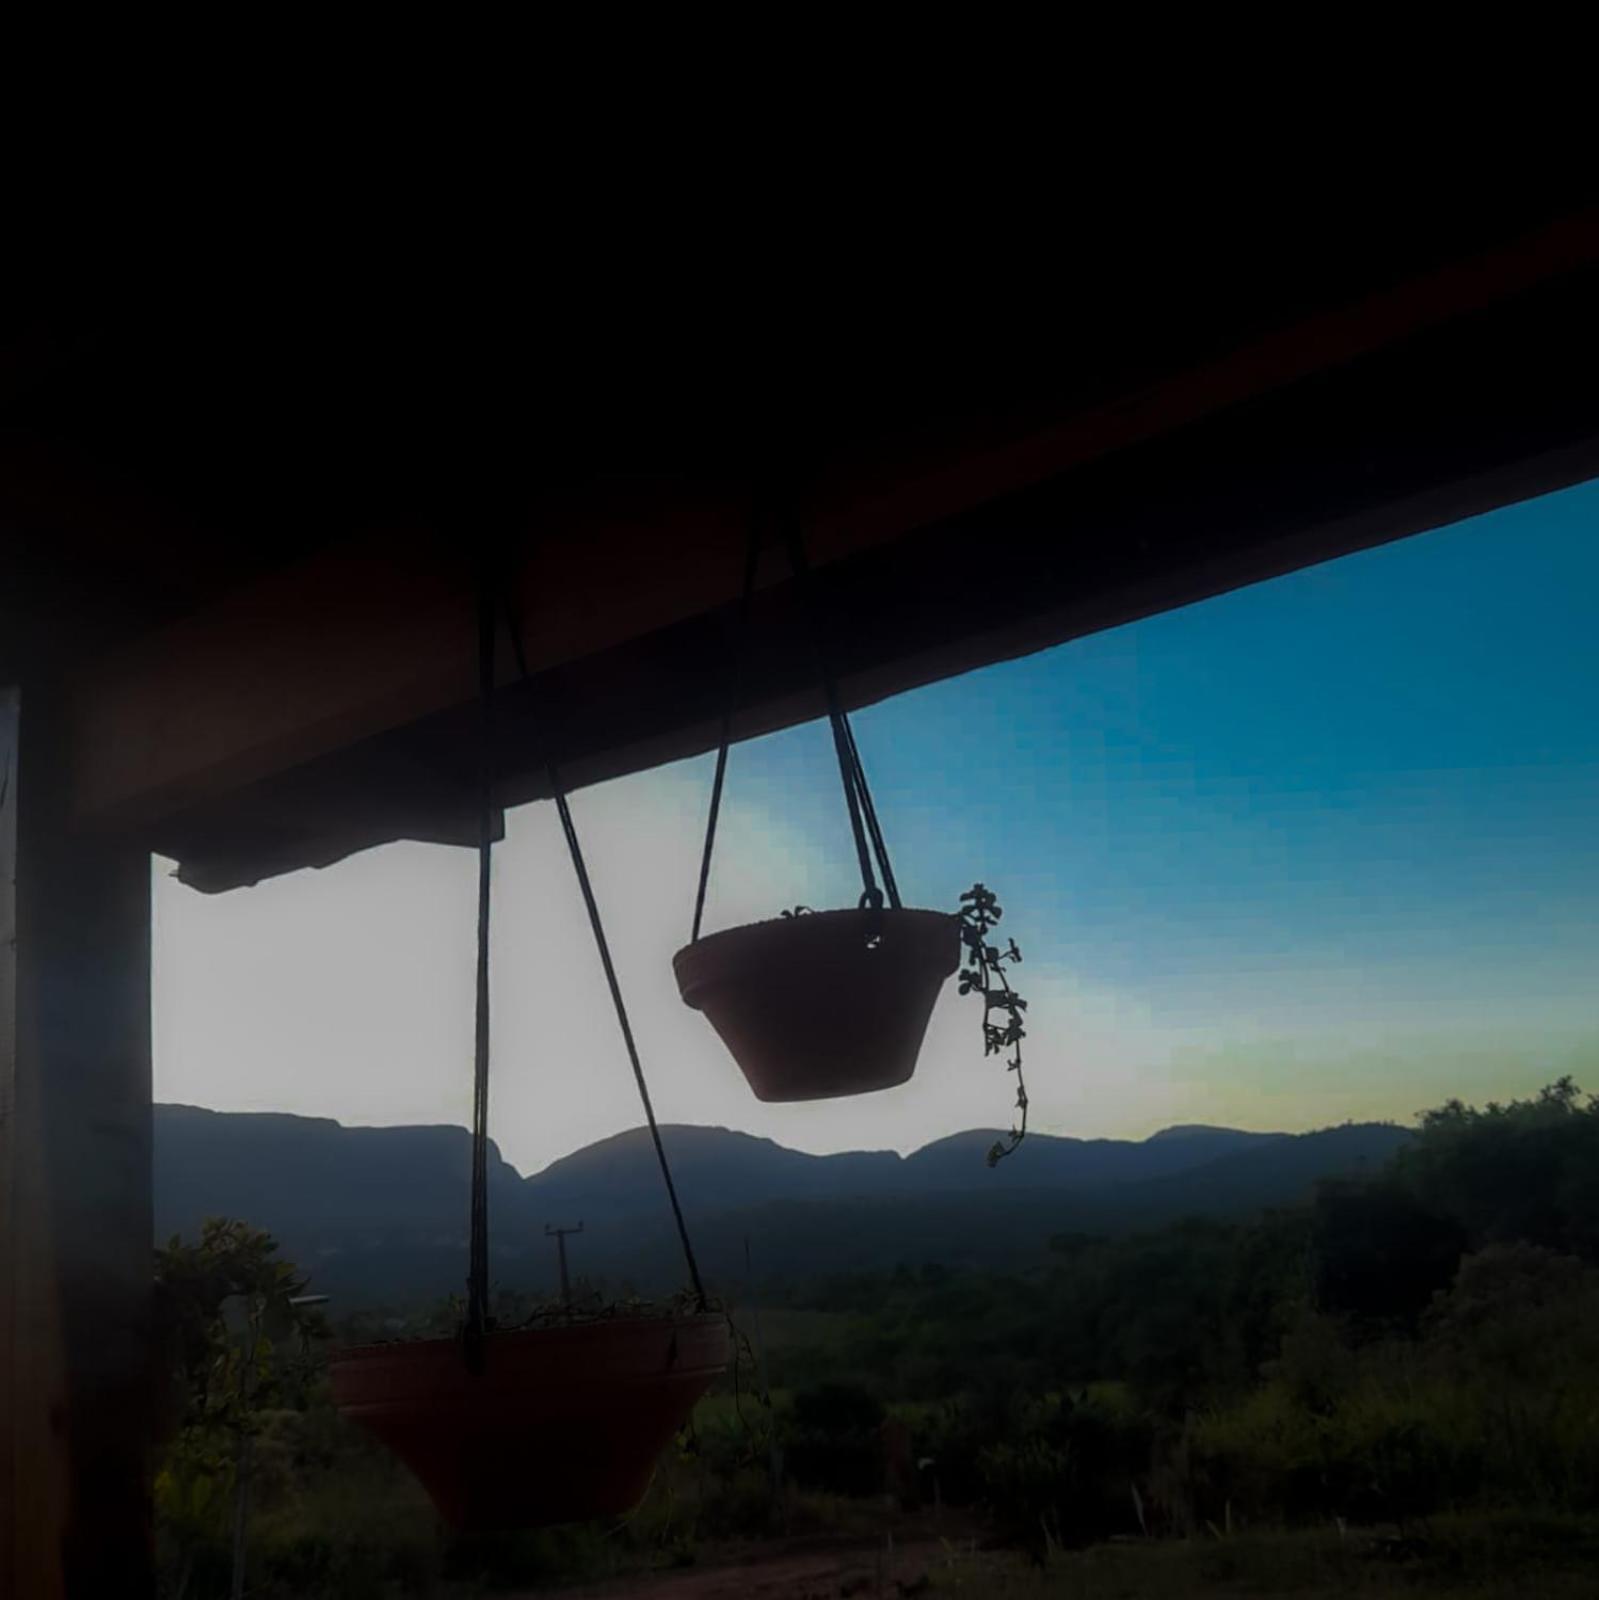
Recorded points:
(75, 1184)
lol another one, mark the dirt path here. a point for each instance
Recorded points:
(823, 1572)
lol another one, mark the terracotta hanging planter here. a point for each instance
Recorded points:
(562, 1424)
(822, 1004)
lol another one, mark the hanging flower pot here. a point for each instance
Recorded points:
(524, 1427)
(814, 1006)
(820, 1004)
(562, 1423)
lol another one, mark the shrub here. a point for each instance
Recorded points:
(835, 1439)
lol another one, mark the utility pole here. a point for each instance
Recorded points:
(559, 1236)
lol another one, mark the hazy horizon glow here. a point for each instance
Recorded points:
(1323, 848)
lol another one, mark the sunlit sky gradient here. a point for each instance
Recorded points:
(1326, 847)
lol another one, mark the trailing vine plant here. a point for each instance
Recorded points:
(984, 973)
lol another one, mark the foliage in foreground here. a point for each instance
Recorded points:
(1487, 1557)
(1409, 1353)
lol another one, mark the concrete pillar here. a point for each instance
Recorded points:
(75, 1185)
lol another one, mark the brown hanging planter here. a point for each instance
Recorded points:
(822, 1004)
(556, 1422)
(563, 1422)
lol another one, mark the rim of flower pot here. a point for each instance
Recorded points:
(730, 954)
(553, 1338)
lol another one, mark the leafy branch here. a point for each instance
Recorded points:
(984, 973)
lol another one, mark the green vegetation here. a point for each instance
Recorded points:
(1394, 1382)
(1485, 1557)
(237, 1342)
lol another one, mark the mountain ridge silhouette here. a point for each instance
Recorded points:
(379, 1215)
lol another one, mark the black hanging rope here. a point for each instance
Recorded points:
(752, 557)
(477, 1301)
(600, 940)
(868, 835)
(569, 828)
(864, 825)
(873, 826)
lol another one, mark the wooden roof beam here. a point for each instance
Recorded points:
(364, 638)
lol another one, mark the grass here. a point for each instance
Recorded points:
(1483, 1558)
(359, 1527)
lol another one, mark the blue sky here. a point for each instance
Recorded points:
(1322, 847)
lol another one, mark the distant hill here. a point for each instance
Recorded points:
(712, 1167)
(378, 1215)
(1200, 1130)
(312, 1171)
(1002, 1226)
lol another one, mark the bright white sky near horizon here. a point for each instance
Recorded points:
(1324, 848)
